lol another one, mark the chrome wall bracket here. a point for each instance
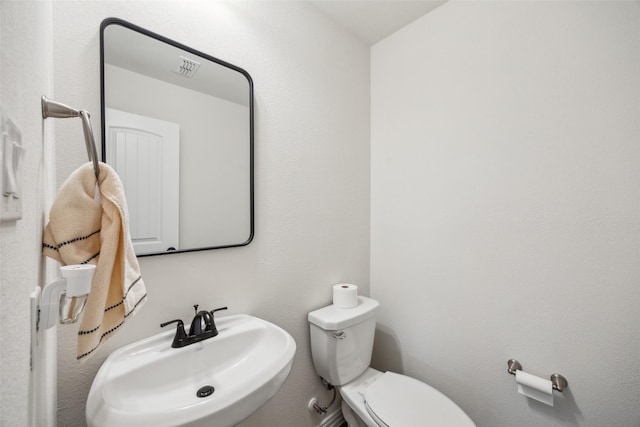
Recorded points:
(59, 110)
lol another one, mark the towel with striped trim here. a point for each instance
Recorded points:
(90, 226)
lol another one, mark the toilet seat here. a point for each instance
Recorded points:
(397, 400)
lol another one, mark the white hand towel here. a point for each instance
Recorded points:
(83, 230)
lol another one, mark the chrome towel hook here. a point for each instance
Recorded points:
(59, 110)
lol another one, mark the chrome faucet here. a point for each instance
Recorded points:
(202, 327)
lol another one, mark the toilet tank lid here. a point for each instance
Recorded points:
(332, 318)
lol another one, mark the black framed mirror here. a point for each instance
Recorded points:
(177, 126)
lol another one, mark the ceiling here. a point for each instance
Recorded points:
(374, 20)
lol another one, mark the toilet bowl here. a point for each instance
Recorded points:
(341, 346)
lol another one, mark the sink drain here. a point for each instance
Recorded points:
(205, 391)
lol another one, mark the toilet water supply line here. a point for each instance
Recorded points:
(322, 410)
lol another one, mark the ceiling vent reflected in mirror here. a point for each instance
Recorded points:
(186, 67)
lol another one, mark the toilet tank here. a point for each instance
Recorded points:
(342, 340)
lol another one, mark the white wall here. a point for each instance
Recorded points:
(506, 206)
(26, 67)
(312, 176)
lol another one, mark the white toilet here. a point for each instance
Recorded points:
(341, 345)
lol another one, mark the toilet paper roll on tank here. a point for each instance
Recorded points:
(345, 295)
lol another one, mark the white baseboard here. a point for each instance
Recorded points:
(333, 418)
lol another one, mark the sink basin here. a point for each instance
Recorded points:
(149, 383)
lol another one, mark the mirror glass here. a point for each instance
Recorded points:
(177, 126)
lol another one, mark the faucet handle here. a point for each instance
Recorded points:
(178, 321)
(212, 326)
(180, 332)
(217, 309)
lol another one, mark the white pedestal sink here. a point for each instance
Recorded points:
(148, 383)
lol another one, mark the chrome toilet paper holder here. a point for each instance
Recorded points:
(558, 381)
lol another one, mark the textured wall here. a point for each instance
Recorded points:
(312, 176)
(25, 37)
(505, 206)
(26, 40)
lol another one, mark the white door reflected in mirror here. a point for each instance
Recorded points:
(145, 153)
